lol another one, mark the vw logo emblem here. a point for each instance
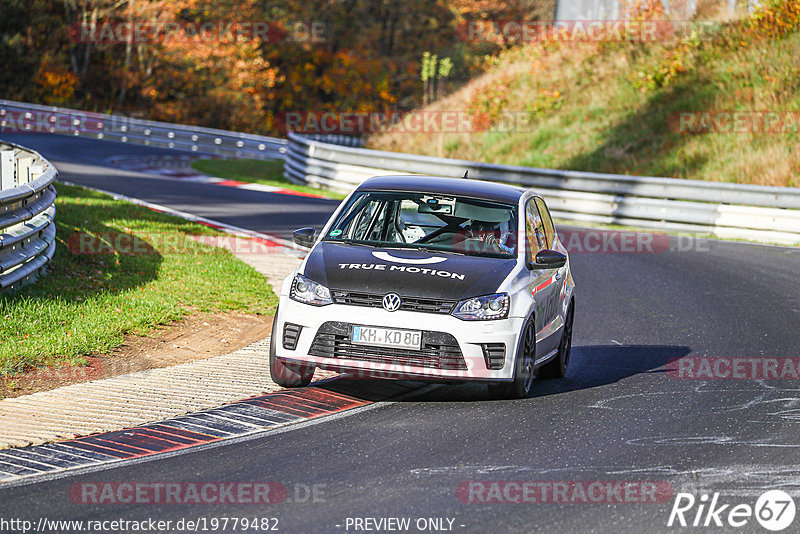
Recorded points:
(391, 302)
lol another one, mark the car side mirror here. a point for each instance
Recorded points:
(549, 259)
(305, 237)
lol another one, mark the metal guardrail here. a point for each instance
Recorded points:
(27, 212)
(760, 213)
(22, 117)
(731, 211)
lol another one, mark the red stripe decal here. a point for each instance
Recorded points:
(544, 284)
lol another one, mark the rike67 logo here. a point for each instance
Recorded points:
(774, 510)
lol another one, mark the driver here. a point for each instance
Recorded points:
(490, 236)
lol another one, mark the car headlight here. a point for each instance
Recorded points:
(309, 292)
(483, 308)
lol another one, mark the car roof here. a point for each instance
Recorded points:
(444, 186)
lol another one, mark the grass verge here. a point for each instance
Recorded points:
(256, 171)
(98, 291)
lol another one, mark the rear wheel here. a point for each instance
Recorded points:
(521, 386)
(286, 374)
(557, 367)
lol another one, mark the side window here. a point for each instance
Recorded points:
(534, 231)
(549, 229)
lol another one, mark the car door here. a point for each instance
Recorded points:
(543, 283)
(562, 275)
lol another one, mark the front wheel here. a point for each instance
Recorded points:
(557, 367)
(287, 374)
(522, 384)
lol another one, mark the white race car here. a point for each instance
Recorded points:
(419, 277)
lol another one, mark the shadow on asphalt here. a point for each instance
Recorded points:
(598, 365)
(591, 366)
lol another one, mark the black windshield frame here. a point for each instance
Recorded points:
(381, 220)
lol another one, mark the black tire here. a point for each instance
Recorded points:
(287, 374)
(557, 367)
(521, 386)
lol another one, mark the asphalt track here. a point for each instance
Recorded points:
(84, 161)
(617, 416)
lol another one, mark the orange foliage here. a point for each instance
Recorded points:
(775, 18)
(56, 83)
(367, 61)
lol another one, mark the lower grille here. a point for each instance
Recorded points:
(495, 355)
(291, 334)
(439, 350)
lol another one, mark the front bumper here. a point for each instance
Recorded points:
(469, 338)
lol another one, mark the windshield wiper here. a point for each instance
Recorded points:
(348, 241)
(411, 246)
(422, 248)
(446, 251)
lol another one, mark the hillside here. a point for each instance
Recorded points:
(616, 106)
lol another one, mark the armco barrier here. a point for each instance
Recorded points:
(23, 117)
(27, 230)
(732, 211)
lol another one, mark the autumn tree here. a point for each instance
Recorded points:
(366, 59)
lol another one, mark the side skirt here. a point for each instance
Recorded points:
(544, 359)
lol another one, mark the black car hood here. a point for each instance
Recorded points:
(410, 273)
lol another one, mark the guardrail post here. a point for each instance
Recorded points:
(7, 168)
(23, 169)
(35, 172)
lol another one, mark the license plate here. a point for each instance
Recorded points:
(387, 337)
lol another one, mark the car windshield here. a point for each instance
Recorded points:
(428, 221)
